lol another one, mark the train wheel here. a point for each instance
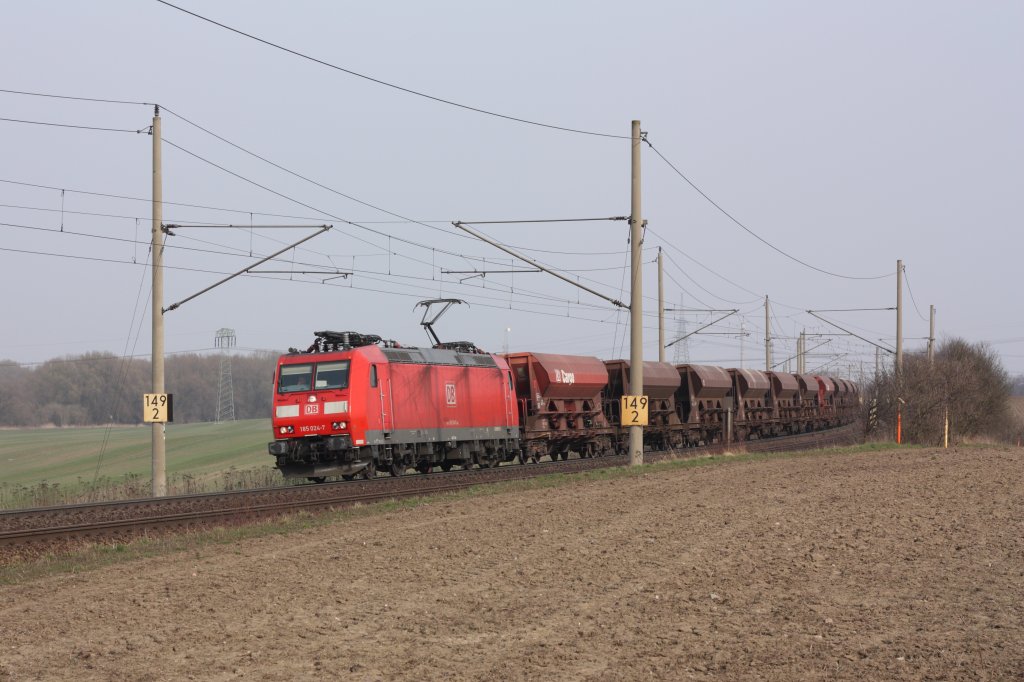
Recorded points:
(397, 468)
(446, 465)
(370, 472)
(317, 479)
(564, 455)
(424, 467)
(348, 477)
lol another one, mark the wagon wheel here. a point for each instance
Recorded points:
(564, 455)
(370, 472)
(317, 479)
(348, 477)
(397, 467)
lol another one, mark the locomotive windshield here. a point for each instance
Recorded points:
(332, 375)
(295, 378)
(329, 375)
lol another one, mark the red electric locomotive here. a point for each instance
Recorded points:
(353, 403)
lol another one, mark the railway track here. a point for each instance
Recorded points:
(130, 518)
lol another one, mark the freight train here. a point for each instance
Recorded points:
(354, 405)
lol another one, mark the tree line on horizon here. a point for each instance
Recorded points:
(101, 388)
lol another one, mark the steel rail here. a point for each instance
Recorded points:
(130, 517)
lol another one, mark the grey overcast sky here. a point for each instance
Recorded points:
(848, 135)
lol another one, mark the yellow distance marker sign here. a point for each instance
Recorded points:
(157, 407)
(633, 410)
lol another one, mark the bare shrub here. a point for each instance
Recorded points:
(966, 379)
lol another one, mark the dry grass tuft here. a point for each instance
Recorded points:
(134, 486)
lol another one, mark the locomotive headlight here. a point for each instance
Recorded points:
(338, 425)
(284, 429)
(312, 398)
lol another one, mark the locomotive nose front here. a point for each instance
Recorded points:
(310, 400)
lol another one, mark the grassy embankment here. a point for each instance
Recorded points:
(68, 465)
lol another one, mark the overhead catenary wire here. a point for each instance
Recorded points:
(747, 229)
(698, 330)
(340, 219)
(71, 97)
(175, 306)
(392, 85)
(852, 310)
(542, 220)
(687, 291)
(720, 276)
(75, 126)
(702, 287)
(122, 374)
(301, 176)
(241, 253)
(416, 294)
(306, 205)
(251, 213)
(22, 207)
(485, 238)
(261, 213)
(335, 191)
(125, 197)
(868, 341)
(794, 357)
(264, 159)
(912, 299)
(354, 223)
(700, 264)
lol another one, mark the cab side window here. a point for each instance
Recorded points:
(373, 376)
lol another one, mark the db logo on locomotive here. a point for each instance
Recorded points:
(312, 409)
(449, 393)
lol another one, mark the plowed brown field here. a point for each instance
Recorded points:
(895, 565)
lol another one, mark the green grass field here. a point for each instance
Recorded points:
(71, 458)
